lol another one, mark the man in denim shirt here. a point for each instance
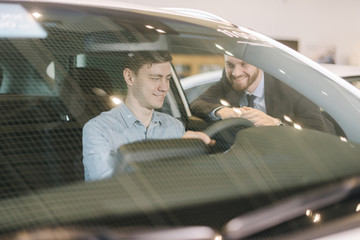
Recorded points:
(147, 76)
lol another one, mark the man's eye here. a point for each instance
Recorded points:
(229, 65)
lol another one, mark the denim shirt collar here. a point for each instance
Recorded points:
(130, 119)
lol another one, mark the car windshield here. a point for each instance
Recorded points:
(77, 151)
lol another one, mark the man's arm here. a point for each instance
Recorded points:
(98, 155)
(282, 100)
(308, 114)
(208, 101)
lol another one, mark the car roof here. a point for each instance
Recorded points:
(171, 12)
(95, 3)
(198, 14)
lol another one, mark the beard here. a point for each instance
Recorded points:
(243, 82)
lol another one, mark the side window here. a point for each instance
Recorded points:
(24, 72)
(188, 65)
(171, 106)
(354, 80)
(278, 101)
(193, 91)
(198, 72)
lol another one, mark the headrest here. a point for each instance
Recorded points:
(91, 79)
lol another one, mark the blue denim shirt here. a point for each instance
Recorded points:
(103, 135)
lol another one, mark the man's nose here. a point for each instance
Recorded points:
(238, 70)
(164, 85)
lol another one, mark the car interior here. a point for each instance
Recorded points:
(42, 117)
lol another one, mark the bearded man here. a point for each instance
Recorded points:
(246, 91)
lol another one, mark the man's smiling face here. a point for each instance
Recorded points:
(152, 83)
(242, 76)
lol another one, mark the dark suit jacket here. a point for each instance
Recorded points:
(280, 100)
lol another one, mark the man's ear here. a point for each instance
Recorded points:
(128, 76)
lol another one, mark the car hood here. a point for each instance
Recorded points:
(262, 160)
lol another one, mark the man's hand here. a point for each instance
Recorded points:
(200, 135)
(226, 112)
(257, 117)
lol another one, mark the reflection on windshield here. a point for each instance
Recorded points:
(16, 22)
(294, 207)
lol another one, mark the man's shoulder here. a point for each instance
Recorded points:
(105, 118)
(278, 86)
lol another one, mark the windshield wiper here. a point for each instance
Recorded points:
(262, 219)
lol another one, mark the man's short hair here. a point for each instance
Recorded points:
(135, 60)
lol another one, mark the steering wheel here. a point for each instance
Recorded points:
(224, 132)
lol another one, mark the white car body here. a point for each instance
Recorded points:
(62, 65)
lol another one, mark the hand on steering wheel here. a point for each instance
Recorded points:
(224, 132)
